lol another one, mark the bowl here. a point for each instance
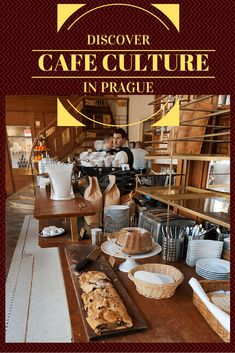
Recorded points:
(157, 291)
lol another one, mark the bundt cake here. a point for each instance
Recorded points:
(135, 241)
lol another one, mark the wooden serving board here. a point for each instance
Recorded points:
(76, 253)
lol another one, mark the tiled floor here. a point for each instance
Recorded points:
(36, 302)
(13, 223)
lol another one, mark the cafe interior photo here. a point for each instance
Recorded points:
(117, 227)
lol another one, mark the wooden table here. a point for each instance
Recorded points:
(169, 320)
(46, 208)
(175, 319)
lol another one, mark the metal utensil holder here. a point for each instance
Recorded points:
(172, 248)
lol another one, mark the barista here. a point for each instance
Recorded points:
(108, 145)
(119, 140)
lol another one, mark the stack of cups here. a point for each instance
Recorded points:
(96, 234)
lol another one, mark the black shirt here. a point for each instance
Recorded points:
(129, 154)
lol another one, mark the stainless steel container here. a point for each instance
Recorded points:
(153, 219)
(172, 249)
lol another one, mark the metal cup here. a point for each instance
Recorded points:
(172, 249)
(96, 236)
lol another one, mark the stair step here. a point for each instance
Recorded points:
(22, 204)
(28, 197)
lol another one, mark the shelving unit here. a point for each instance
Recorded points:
(19, 140)
(198, 204)
(39, 152)
(191, 157)
(211, 143)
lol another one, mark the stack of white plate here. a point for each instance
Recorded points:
(214, 269)
(201, 249)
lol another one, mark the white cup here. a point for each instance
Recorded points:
(107, 163)
(115, 163)
(125, 167)
(100, 164)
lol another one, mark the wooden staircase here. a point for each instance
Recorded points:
(23, 199)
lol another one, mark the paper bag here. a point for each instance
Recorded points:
(94, 196)
(111, 193)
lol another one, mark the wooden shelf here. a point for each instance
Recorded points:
(199, 110)
(20, 136)
(201, 157)
(201, 203)
(217, 113)
(193, 138)
(210, 205)
(217, 127)
(184, 105)
(184, 140)
(197, 100)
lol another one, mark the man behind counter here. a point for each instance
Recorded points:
(124, 153)
(108, 144)
(139, 154)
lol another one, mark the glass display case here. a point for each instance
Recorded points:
(19, 140)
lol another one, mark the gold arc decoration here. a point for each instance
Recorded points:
(64, 11)
(172, 11)
(172, 118)
(64, 118)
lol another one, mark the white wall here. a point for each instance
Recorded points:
(138, 110)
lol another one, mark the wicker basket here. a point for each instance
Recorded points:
(157, 291)
(211, 286)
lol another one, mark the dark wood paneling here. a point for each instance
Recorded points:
(20, 118)
(31, 103)
(21, 181)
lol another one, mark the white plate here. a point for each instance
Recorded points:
(153, 277)
(52, 235)
(212, 274)
(203, 243)
(166, 278)
(212, 277)
(191, 261)
(214, 265)
(111, 248)
(204, 256)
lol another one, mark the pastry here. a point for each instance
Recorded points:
(93, 279)
(106, 292)
(135, 241)
(107, 319)
(52, 230)
(104, 307)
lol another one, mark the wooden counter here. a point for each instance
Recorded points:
(78, 207)
(169, 320)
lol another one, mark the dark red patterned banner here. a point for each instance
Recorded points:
(65, 48)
